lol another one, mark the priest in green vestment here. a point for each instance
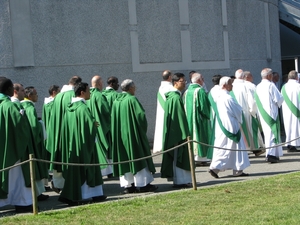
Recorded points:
(130, 142)
(175, 164)
(13, 149)
(78, 136)
(59, 107)
(37, 138)
(197, 108)
(48, 103)
(100, 110)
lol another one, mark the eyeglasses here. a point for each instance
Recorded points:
(182, 81)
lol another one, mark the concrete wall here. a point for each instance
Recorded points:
(45, 42)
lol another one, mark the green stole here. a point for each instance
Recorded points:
(244, 125)
(290, 104)
(273, 124)
(161, 100)
(234, 137)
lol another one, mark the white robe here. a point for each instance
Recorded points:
(291, 122)
(18, 193)
(231, 116)
(271, 100)
(246, 100)
(165, 87)
(140, 179)
(254, 111)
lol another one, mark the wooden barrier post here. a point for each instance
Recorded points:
(33, 187)
(192, 164)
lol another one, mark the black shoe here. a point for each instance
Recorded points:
(148, 188)
(48, 188)
(130, 190)
(23, 209)
(182, 186)
(67, 201)
(292, 148)
(259, 152)
(110, 175)
(242, 175)
(55, 189)
(100, 198)
(272, 159)
(213, 174)
(42, 197)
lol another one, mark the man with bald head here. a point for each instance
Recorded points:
(291, 111)
(130, 142)
(197, 109)
(255, 127)
(228, 134)
(100, 110)
(242, 94)
(269, 100)
(165, 86)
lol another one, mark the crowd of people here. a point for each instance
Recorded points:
(89, 125)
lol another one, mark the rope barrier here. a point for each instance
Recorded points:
(143, 158)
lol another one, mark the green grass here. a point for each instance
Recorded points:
(273, 200)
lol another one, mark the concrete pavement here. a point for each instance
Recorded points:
(259, 168)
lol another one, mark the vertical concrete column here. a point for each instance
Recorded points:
(21, 33)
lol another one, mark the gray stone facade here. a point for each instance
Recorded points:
(46, 42)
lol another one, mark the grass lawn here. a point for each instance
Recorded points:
(273, 200)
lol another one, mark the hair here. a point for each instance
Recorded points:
(176, 77)
(247, 73)
(239, 74)
(5, 85)
(265, 72)
(79, 87)
(293, 75)
(166, 74)
(112, 80)
(216, 79)
(191, 74)
(53, 88)
(17, 86)
(75, 80)
(224, 80)
(127, 84)
(196, 77)
(28, 91)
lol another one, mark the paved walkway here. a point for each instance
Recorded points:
(259, 168)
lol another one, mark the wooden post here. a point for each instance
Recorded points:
(33, 187)
(192, 164)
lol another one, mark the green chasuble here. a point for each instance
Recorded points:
(129, 128)
(78, 135)
(37, 138)
(14, 141)
(47, 113)
(59, 107)
(197, 108)
(111, 95)
(175, 132)
(98, 106)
